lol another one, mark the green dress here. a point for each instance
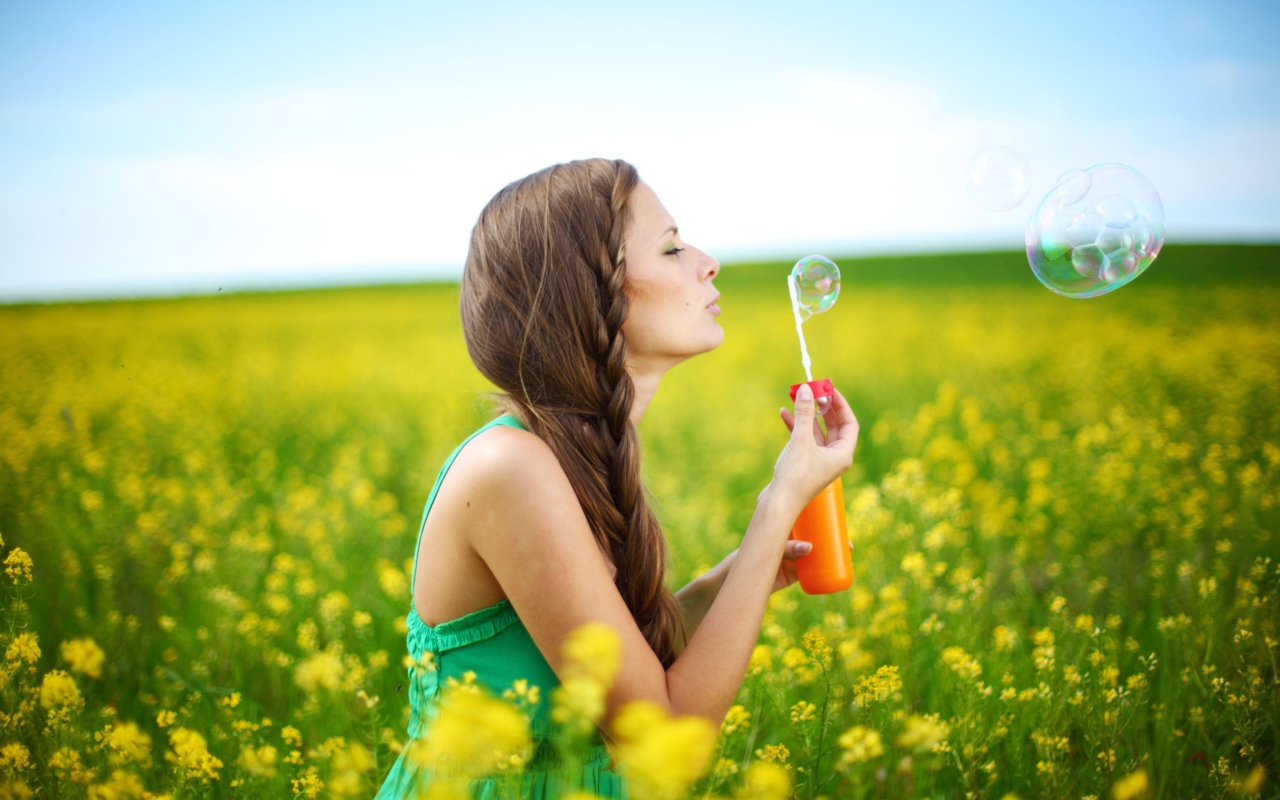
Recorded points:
(494, 644)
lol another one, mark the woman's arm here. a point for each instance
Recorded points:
(698, 595)
(525, 522)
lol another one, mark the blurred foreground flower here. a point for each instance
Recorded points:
(1131, 786)
(662, 754)
(84, 656)
(191, 753)
(765, 781)
(592, 654)
(474, 734)
(859, 744)
(922, 734)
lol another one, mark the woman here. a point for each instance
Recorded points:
(578, 294)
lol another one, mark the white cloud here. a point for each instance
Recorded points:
(317, 179)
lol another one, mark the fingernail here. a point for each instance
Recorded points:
(804, 392)
(803, 548)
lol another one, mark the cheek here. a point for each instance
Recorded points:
(655, 316)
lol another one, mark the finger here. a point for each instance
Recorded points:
(788, 418)
(803, 410)
(846, 423)
(830, 422)
(795, 549)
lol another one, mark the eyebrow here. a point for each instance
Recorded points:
(672, 229)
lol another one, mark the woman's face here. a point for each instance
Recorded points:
(673, 307)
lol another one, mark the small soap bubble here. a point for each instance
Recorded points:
(999, 178)
(1096, 230)
(817, 282)
(1071, 186)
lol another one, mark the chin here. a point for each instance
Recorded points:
(716, 339)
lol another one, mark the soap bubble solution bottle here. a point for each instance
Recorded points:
(814, 285)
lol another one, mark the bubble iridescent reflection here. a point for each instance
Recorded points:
(1096, 230)
(817, 281)
(999, 178)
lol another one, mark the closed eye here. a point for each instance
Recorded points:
(673, 251)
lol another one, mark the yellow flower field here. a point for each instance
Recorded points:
(1064, 517)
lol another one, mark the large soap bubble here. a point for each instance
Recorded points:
(817, 285)
(999, 178)
(1095, 231)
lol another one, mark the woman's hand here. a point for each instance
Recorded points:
(812, 457)
(787, 570)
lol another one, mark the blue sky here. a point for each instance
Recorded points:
(151, 147)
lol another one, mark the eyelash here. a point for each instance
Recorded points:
(673, 251)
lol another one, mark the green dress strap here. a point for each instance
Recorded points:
(492, 647)
(511, 421)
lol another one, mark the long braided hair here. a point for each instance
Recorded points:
(543, 301)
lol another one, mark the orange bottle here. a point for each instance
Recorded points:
(829, 566)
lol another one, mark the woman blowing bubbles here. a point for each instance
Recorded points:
(578, 295)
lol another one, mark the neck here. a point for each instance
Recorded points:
(645, 377)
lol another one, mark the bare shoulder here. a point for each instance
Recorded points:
(526, 502)
(515, 477)
(506, 459)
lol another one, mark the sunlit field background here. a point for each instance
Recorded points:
(1064, 516)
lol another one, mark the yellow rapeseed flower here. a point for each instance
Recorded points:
(1252, 783)
(773, 754)
(18, 565)
(473, 734)
(877, 687)
(84, 656)
(393, 582)
(166, 718)
(58, 690)
(761, 659)
(662, 754)
(25, 647)
(963, 664)
(765, 781)
(129, 743)
(308, 785)
(291, 736)
(922, 734)
(14, 757)
(347, 771)
(260, 761)
(320, 670)
(120, 786)
(803, 711)
(191, 752)
(1131, 786)
(736, 718)
(724, 769)
(859, 744)
(593, 649)
(578, 702)
(1005, 638)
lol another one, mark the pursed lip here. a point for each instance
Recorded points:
(714, 300)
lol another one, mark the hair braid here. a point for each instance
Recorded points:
(543, 304)
(652, 603)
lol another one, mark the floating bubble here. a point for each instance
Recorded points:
(999, 178)
(817, 282)
(814, 285)
(1096, 230)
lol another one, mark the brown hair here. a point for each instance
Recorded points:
(543, 304)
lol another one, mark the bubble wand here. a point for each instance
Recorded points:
(814, 285)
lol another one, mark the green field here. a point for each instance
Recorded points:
(1064, 515)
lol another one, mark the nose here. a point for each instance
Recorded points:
(712, 266)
